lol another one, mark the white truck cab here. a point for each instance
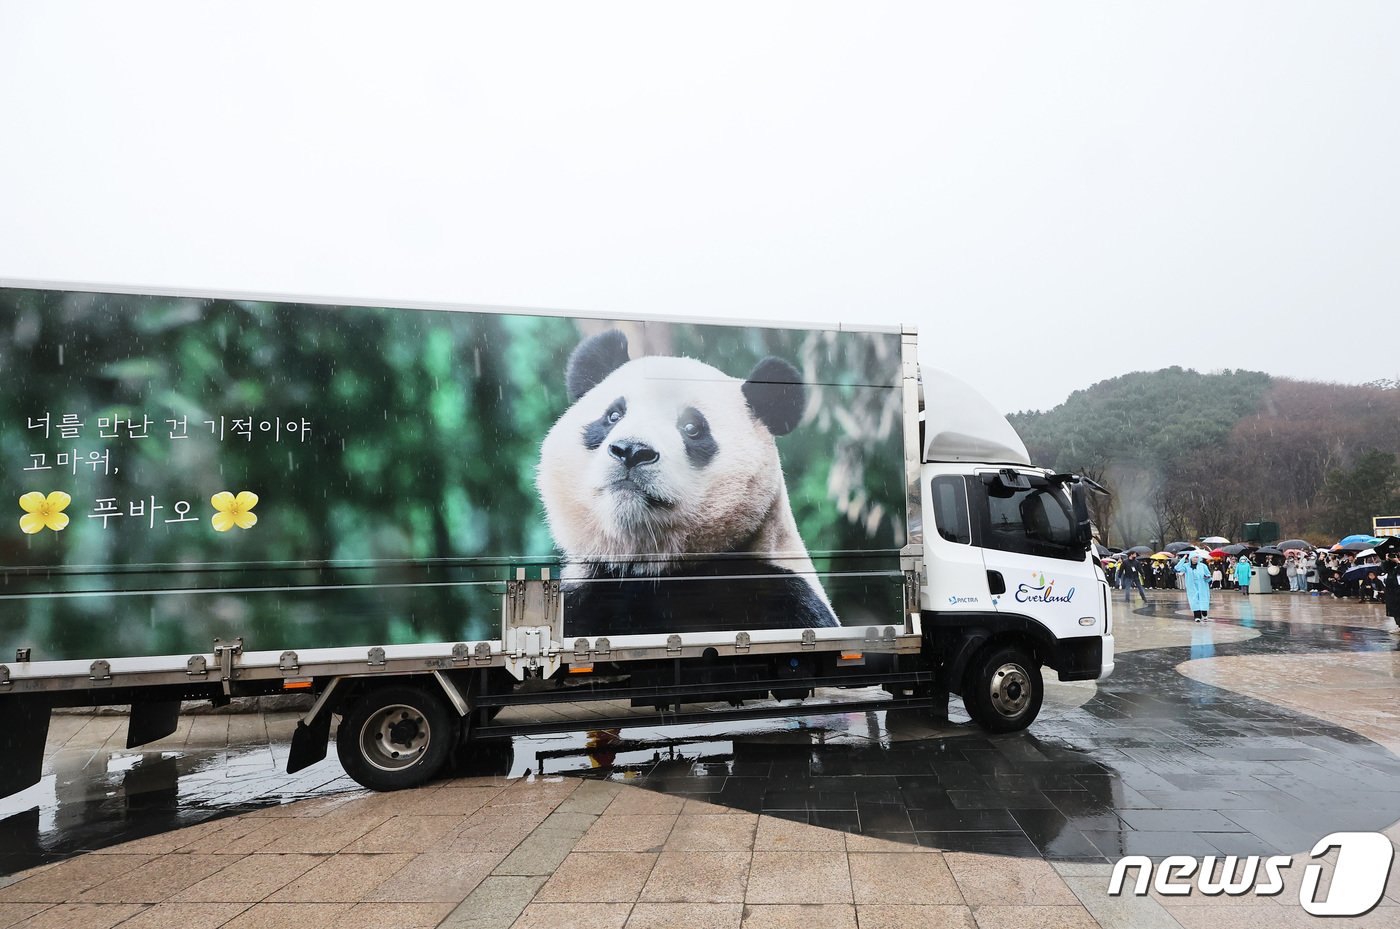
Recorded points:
(1010, 579)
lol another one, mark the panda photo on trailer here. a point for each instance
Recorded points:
(662, 482)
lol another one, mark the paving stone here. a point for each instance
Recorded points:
(63, 882)
(284, 915)
(783, 835)
(635, 800)
(12, 914)
(496, 903)
(686, 916)
(592, 798)
(989, 879)
(398, 915)
(1041, 917)
(799, 877)
(1121, 912)
(698, 877)
(248, 880)
(909, 878)
(645, 832)
(539, 853)
(342, 878)
(694, 833)
(799, 916)
(905, 916)
(406, 834)
(573, 915)
(437, 877)
(82, 916)
(185, 916)
(598, 877)
(157, 880)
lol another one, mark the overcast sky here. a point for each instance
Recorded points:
(1055, 193)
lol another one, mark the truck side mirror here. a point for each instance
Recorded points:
(1079, 506)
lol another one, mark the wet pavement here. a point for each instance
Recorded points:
(1154, 763)
(1254, 734)
(95, 792)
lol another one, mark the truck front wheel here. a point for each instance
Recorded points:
(1004, 689)
(395, 737)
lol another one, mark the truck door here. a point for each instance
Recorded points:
(1023, 525)
(957, 573)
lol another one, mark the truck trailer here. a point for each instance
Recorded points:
(421, 514)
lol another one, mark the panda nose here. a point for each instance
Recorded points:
(632, 454)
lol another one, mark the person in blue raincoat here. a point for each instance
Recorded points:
(1243, 572)
(1197, 577)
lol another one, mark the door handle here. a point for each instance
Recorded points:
(995, 582)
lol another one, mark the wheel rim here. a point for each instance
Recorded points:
(395, 737)
(1011, 690)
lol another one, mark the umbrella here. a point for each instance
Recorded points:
(1162, 556)
(1202, 553)
(1177, 547)
(1101, 550)
(1238, 549)
(1368, 539)
(1218, 553)
(1353, 546)
(1141, 549)
(1215, 540)
(1359, 573)
(1388, 544)
(1303, 544)
(1269, 550)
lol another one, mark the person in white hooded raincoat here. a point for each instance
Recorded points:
(1197, 576)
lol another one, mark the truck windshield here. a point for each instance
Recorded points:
(1034, 521)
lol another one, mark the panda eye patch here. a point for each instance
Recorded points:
(595, 432)
(700, 444)
(693, 424)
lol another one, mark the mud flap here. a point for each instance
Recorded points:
(152, 721)
(22, 741)
(309, 742)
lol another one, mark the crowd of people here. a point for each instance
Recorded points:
(1341, 575)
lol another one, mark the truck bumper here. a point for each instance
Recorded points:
(1084, 658)
(1106, 662)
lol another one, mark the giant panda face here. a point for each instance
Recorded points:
(663, 456)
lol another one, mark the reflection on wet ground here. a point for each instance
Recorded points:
(1148, 762)
(96, 793)
(1153, 763)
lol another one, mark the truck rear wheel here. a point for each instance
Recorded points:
(395, 737)
(1004, 689)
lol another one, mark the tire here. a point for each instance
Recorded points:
(396, 737)
(1004, 689)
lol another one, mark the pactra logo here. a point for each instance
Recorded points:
(1358, 881)
(1042, 591)
(955, 600)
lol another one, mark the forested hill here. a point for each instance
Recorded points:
(1189, 454)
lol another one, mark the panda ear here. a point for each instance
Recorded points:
(595, 358)
(776, 395)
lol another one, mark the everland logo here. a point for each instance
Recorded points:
(1042, 592)
(1358, 880)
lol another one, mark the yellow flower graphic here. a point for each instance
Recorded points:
(234, 511)
(41, 512)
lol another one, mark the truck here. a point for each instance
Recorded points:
(420, 515)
